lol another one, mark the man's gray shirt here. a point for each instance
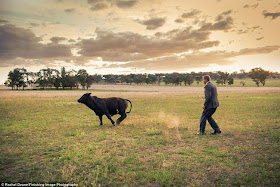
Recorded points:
(211, 96)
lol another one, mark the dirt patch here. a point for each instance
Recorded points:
(126, 90)
(183, 89)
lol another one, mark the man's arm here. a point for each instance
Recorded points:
(207, 95)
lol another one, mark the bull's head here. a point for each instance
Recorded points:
(84, 98)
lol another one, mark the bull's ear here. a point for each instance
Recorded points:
(87, 94)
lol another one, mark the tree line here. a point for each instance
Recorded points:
(53, 78)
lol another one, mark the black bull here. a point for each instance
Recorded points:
(106, 106)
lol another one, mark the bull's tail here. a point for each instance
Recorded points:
(130, 106)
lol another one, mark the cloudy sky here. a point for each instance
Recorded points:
(124, 36)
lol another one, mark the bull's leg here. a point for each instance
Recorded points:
(100, 118)
(120, 119)
(109, 117)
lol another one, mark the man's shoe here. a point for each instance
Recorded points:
(216, 132)
(200, 133)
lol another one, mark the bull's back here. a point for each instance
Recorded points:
(115, 104)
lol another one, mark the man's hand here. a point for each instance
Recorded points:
(203, 107)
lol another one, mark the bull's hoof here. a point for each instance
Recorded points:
(114, 124)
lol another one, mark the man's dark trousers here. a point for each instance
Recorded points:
(207, 116)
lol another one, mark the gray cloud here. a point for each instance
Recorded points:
(99, 6)
(94, 1)
(190, 14)
(71, 40)
(34, 24)
(224, 24)
(221, 16)
(247, 30)
(57, 39)
(17, 42)
(241, 31)
(223, 21)
(193, 60)
(3, 21)
(186, 33)
(125, 3)
(272, 15)
(258, 50)
(69, 10)
(152, 23)
(126, 46)
(178, 63)
(251, 6)
(56, 23)
(179, 20)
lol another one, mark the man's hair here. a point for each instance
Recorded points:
(207, 77)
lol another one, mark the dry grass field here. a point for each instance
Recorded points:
(47, 136)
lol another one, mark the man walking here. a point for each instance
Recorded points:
(210, 106)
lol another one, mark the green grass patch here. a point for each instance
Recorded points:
(44, 139)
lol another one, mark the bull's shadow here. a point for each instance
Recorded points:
(107, 106)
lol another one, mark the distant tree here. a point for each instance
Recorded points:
(187, 79)
(97, 78)
(111, 78)
(230, 81)
(258, 75)
(42, 78)
(159, 78)
(274, 75)
(47, 78)
(89, 81)
(71, 79)
(51, 73)
(176, 79)
(126, 79)
(223, 76)
(92, 79)
(198, 79)
(242, 83)
(138, 78)
(147, 80)
(242, 74)
(219, 82)
(56, 79)
(213, 75)
(153, 79)
(167, 79)
(234, 75)
(82, 76)
(63, 78)
(32, 78)
(16, 78)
